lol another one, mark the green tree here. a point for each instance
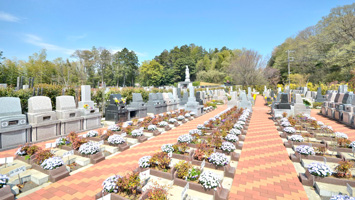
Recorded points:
(151, 73)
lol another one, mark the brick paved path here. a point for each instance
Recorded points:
(85, 184)
(264, 170)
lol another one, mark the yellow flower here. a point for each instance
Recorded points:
(86, 106)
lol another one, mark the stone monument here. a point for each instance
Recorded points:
(91, 115)
(192, 105)
(68, 115)
(116, 111)
(137, 108)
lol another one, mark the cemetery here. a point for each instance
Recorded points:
(175, 100)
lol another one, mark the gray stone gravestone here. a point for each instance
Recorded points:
(68, 115)
(91, 115)
(192, 105)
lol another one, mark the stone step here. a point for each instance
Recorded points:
(328, 190)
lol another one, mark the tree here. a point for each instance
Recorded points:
(151, 73)
(125, 62)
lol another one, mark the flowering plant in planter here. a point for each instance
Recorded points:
(228, 147)
(168, 113)
(62, 141)
(180, 117)
(167, 148)
(341, 197)
(3, 180)
(231, 138)
(27, 150)
(194, 174)
(116, 139)
(110, 184)
(163, 124)
(144, 162)
(341, 135)
(89, 148)
(296, 138)
(305, 150)
(343, 169)
(161, 161)
(319, 123)
(180, 148)
(187, 115)
(172, 120)
(42, 155)
(92, 133)
(241, 122)
(52, 163)
(113, 127)
(235, 131)
(352, 144)
(185, 138)
(137, 132)
(327, 128)
(152, 128)
(290, 130)
(284, 119)
(243, 118)
(238, 126)
(209, 180)
(218, 159)
(195, 132)
(286, 124)
(319, 169)
(200, 127)
(182, 169)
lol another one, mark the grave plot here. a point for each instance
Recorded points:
(200, 165)
(323, 158)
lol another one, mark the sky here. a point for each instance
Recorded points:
(150, 26)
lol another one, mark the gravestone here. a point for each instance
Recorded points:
(187, 83)
(244, 102)
(137, 108)
(162, 103)
(91, 115)
(320, 97)
(68, 114)
(153, 104)
(184, 99)
(169, 102)
(174, 101)
(192, 105)
(299, 107)
(14, 129)
(326, 104)
(42, 119)
(283, 106)
(116, 111)
(234, 100)
(199, 98)
(340, 108)
(348, 115)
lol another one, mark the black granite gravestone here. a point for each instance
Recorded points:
(116, 111)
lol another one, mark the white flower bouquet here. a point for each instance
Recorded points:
(116, 139)
(341, 135)
(296, 138)
(167, 148)
(163, 124)
(137, 132)
(52, 163)
(305, 150)
(110, 184)
(3, 180)
(218, 159)
(231, 138)
(195, 131)
(228, 147)
(92, 133)
(238, 126)
(235, 131)
(290, 130)
(286, 124)
(180, 117)
(319, 169)
(200, 126)
(144, 161)
(185, 138)
(187, 115)
(209, 180)
(113, 127)
(89, 148)
(152, 128)
(172, 120)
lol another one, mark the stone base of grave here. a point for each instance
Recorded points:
(45, 130)
(13, 137)
(55, 174)
(70, 125)
(90, 122)
(6, 194)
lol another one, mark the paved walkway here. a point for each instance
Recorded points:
(87, 183)
(337, 126)
(264, 170)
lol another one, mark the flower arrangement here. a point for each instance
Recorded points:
(209, 180)
(218, 159)
(319, 123)
(3, 180)
(238, 126)
(113, 127)
(42, 155)
(110, 184)
(89, 148)
(194, 174)
(182, 169)
(200, 126)
(286, 124)
(185, 138)
(341, 197)
(167, 148)
(137, 132)
(27, 150)
(52, 163)
(187, 115)
(144, 162)
(195, 131)
(290, 130)
(352, 145)
(161, 161)
(180, 117)
(86, 106)
(116, 139)
(172, 120)
(343, 169)
(228, 147)
(231, 138)
(296, 138)
(92, 133)
(341, 135)
(152, 128)
(305, 150)
(319, 169)
(163, 124)
(235, 131)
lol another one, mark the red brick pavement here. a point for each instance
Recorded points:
(85, 184)
(264, 170)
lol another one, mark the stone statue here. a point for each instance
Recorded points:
(187, 74)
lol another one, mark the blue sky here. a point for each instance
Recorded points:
(150, 26)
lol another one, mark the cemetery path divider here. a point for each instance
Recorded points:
(265, 170)
(337, 126)
(85, 184)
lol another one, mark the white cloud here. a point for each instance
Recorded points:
(8, 17)
(37, 41)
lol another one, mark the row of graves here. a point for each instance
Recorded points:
(291, 106)
(340, 106)
(200, 165)
(34, 166)
(41, 122)
(323, 158)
